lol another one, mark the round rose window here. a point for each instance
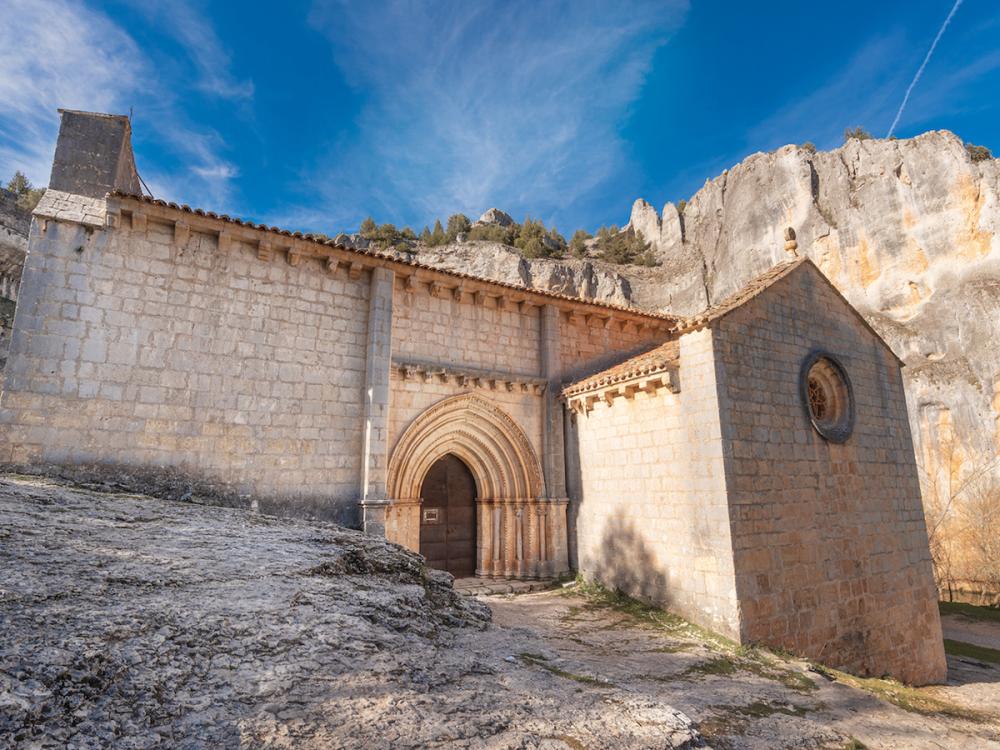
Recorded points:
(829, 401)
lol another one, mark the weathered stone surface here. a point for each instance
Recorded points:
(132, 622)
(497, 217)
(492, 260)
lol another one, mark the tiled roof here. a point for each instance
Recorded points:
(664, 357)
(395, 258)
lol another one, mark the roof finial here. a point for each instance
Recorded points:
(791, 244)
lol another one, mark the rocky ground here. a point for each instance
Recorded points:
(127, 621)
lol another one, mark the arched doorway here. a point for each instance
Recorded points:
(519, 532)
(448, 517)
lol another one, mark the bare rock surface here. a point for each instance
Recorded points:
(588, 279)
(132, 622)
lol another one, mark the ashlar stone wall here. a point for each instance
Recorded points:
(830, 544)
(143, 348)
(653, 516)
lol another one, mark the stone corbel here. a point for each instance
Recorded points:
(409, 282)
(182, 232)
(293, 257)
(456, 293)
(138, 222)
(479, 297)
(630, 391)
(225, 241)
(435, 288)
(332, 264)
(265, 250)
(649, 385)
(355, 270)
(113, 220)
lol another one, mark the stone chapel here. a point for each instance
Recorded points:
(750, 468)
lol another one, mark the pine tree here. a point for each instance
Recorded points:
(368, 227)
(437, 236)
(425, 235)
(27, 195)
(457, 224)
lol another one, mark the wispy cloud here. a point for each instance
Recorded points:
(857, 94)
(57, 54)
(920, 70)
(469, 105)
(64, 53)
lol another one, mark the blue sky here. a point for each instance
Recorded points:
(312, 115)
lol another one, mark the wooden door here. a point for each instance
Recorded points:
(448, 517)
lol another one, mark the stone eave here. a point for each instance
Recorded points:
(474, 377)
(581, 399)
(295, 246)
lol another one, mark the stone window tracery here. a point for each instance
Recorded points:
(829, 401)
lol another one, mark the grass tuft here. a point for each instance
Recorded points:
(538, 660)
(971, 650)
(915, 700)
(971, 611)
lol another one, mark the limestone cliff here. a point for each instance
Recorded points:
(906, 229)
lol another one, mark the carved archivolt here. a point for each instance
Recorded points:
(490, 443)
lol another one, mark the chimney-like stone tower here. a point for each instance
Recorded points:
(94, 155)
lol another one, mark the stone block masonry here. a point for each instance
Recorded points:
(829, 540)
(131, 350)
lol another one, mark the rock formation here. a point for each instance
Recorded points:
(906, 229)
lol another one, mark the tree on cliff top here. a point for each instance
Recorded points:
(27, 195)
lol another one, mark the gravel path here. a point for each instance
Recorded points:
(131, 622)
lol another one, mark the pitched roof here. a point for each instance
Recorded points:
(392, 257)
(664, 357)
(743, 295)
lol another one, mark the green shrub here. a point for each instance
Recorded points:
(27, 194)
(857, 133)
(457, 224)
(493, 233)
(437, 235)
(978, 153)
(578, 243)
(808, 146)
(625, 248)
(368, 228)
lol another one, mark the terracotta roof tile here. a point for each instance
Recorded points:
(664, 357)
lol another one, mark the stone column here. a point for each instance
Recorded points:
(553, 456)
(555, 560)
(375, 428)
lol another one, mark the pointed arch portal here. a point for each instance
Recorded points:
(517, 529)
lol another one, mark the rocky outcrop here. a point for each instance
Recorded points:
(906, 229)
(495, 217)
(579, 278)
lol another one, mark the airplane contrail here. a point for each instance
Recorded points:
(923, 65)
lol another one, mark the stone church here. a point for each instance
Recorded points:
(750, 468)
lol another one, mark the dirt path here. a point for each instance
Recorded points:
(737, 700)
